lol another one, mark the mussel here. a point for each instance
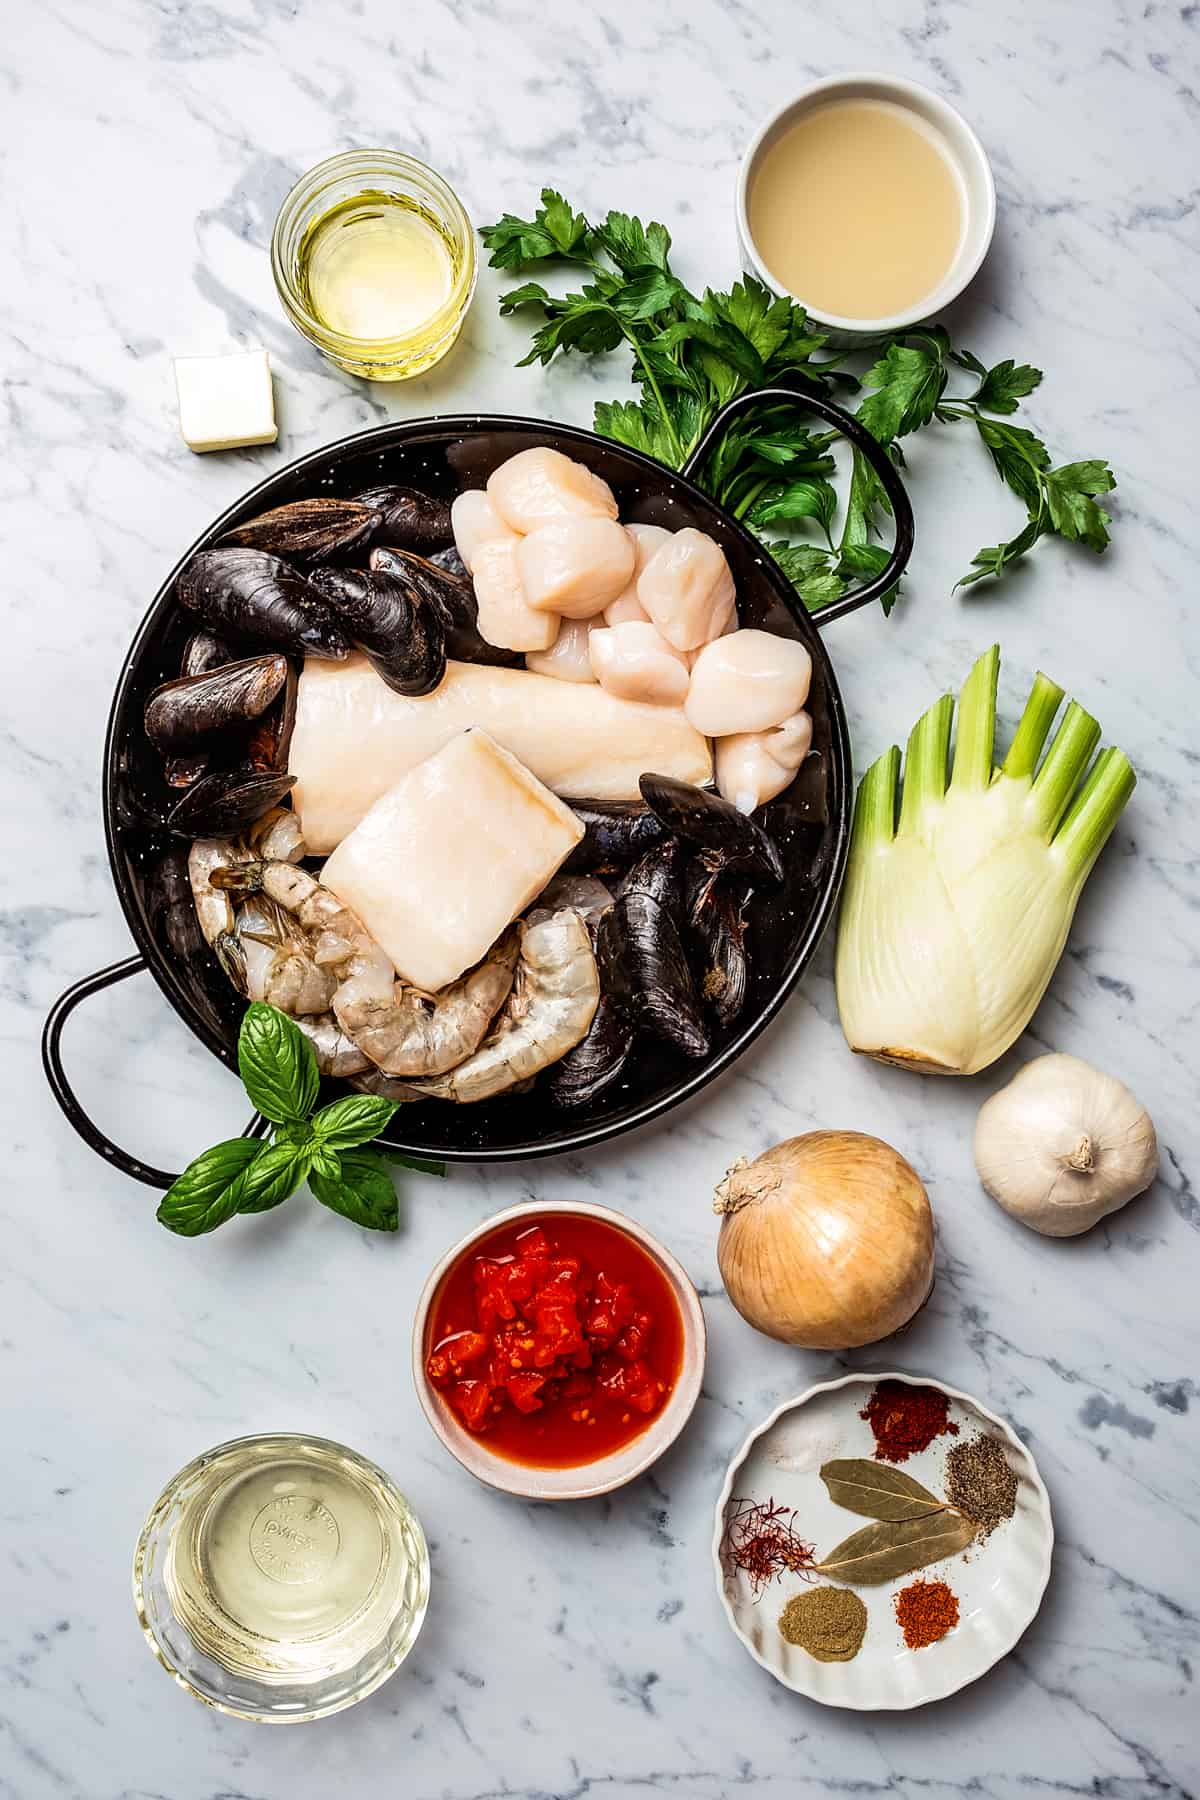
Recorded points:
(271, 737)
(398, 628)
(195, 709)
(643, 965)
(726, 838)
(227, 800)
(717, 916)
(614, 831)
(407, 517)
(253, 595)
(446, 586)
(313, 530)
(205, 651)
(597, 1062)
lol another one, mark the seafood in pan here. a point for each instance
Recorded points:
(342, 643)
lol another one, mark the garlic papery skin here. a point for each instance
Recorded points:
(1064, 1145)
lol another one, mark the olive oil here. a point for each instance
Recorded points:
(377, 267)
(290, 1564)
(858, 210)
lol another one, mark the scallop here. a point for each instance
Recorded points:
(505, 615)
(634, 661)
(576, 567)
(536, 486)
(476, 522)
(569, 656)
(748, 681)
(687, 589)
(646, 540)
(754, 766)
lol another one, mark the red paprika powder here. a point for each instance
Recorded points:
(925, 1612)
(906, 1419)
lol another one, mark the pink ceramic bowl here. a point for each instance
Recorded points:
(584, 1480)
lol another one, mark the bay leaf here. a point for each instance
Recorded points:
(897, 1547)
(876, 1490)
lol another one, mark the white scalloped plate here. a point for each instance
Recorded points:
(999, 1583)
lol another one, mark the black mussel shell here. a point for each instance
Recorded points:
(596, 1062)
(728, 839)
(197, 709)
(271, 736)
(643, 965)
(450, 561)
(309, 529)
(399, 629)
(614, 831)
(171, 908)
(451, 592)
(225, 801)
(252, 595)
(205, 651)
(408, 517)
(717, 916)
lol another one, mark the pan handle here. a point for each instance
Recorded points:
(64, 1093)
(875, 454)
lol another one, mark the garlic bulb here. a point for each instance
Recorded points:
(826, 1240)
(1063, 1145)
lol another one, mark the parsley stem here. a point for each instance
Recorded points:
(680, 456)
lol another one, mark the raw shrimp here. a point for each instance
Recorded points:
(549, 1011)
(280, 967)
(403, 1031)
(214, 908)
(336, 1054)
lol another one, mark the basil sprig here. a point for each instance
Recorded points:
(324, 1148)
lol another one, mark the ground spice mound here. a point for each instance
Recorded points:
(828, 1622)
(980, 1483)
(906, 1419)
(925, 1612)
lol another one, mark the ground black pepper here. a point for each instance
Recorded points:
(980, 1483)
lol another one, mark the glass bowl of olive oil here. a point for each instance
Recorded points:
(374, 258)
(281, 1578)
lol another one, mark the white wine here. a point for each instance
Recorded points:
(377, 266)
(858, 210)
(291, 1564)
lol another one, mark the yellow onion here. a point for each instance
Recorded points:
(826, 1240)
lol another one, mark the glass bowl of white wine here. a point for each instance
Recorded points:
(281, 1578)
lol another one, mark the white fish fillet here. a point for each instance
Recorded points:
(355, 738)
(450, 856)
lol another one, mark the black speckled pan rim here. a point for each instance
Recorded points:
(133, 684)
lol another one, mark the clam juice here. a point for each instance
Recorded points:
(289, 1562)
(858, 210)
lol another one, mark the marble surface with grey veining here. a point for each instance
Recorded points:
(581, 1652)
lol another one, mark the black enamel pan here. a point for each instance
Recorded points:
(810, 821)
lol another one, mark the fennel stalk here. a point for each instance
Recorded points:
(954, 917)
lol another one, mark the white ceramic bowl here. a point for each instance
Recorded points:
(965, 153)
(584, 1480)
(999, 1583)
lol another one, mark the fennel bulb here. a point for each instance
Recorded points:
(953, 918)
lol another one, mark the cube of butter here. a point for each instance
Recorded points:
(450, 856)
(226, 401)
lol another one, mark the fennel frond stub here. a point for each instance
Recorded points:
(961, 889)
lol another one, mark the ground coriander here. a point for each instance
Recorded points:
(828, 1622)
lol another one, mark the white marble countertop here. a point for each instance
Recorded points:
(581, 1652)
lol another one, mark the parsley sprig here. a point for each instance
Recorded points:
(326, 1148)
(693, 353)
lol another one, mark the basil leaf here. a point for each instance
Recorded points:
(421, 1164)
(363, 1191)
(277, 1065)
(276, 1172)
(200, 1199)
(355, 1120)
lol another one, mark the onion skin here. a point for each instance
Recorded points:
(827, 1240)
